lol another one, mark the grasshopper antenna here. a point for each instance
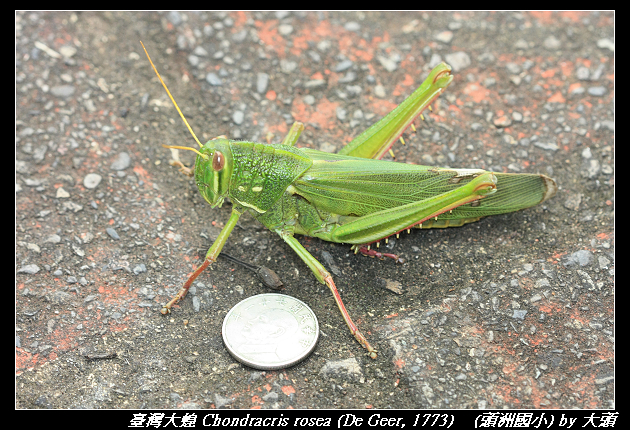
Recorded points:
(176, 107)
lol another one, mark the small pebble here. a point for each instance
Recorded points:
(62, 194)
(112, 233)
(597, 91)
(213, 80)
(92, 180)
(458, 60)
(444, 36)
(121, 162)
(30, 269)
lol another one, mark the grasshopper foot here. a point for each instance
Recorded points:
(166, 309)
(373, 253)
(365, 344)
(185, 170)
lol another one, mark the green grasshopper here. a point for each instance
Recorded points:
(351, 197)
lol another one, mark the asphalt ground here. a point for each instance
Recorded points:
(513, 311)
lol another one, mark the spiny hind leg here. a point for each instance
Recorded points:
(376, 141)
(367, 249)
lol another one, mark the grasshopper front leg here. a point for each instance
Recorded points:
(211, 257)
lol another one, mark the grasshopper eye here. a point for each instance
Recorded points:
(218, 161)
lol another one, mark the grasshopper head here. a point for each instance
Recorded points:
(213, 166)
(213, 169)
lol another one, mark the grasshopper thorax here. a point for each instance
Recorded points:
(213, 170)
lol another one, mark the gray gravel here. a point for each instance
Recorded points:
(514, 311)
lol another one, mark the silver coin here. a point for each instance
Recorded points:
(270, 331)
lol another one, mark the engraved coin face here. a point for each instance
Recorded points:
(270, 331)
